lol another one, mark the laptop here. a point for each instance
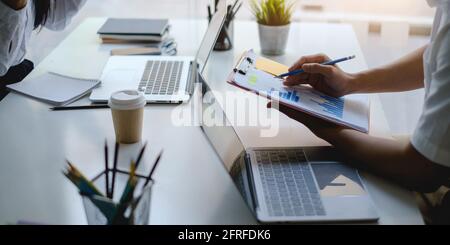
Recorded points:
(162, 79)
(283, 185)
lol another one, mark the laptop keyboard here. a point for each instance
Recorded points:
(288, 183)
(161, 77)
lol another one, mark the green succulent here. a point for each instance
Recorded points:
(272, 12)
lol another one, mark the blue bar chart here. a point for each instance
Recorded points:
(288, 95)
(332, 105)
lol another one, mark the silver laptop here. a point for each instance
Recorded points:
(299, 184)
(162, 79)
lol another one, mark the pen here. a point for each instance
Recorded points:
(82, 107)
(331, 62)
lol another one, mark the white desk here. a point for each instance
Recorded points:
(192, 187)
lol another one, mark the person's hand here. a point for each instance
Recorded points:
(15, 4)
(319, 127)
(325, 78)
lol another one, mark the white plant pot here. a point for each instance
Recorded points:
(273, 39)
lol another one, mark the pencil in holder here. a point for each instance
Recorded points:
(225, 39)
(131, 208)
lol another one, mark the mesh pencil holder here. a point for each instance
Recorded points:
(101, 210)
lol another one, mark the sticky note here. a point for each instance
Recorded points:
(270, 66)
(252, 79)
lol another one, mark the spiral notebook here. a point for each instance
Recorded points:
(256, 74)
(55, 89)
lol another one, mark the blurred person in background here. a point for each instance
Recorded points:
(18, 19)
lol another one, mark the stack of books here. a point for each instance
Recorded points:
(134, 30)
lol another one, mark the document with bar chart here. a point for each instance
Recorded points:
(351, 110)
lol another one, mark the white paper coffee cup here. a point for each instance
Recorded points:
(127, 108)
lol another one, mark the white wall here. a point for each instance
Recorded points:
(416, 8)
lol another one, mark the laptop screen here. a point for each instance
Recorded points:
(211, 35)
(225, 142)
(219, 131)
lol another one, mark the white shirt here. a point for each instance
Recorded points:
(432, 135)
(16, 27)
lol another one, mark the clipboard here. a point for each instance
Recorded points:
(351, 111)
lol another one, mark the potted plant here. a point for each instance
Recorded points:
(274, 20)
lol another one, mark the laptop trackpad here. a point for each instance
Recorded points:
(119, 79)
(336, 179)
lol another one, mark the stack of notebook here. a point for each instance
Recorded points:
(134, 30)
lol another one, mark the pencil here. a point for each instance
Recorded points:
(209, 13)
(141, 153)
(227, 18)
(116, 152)
(82, 107)
(84, 185)
(149, 177)
(127, 194)
(234, 5)
(235, 12)
(108, 194)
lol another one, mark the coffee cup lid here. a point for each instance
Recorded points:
(126, 100)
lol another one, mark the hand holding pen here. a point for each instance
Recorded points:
(319, 72)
